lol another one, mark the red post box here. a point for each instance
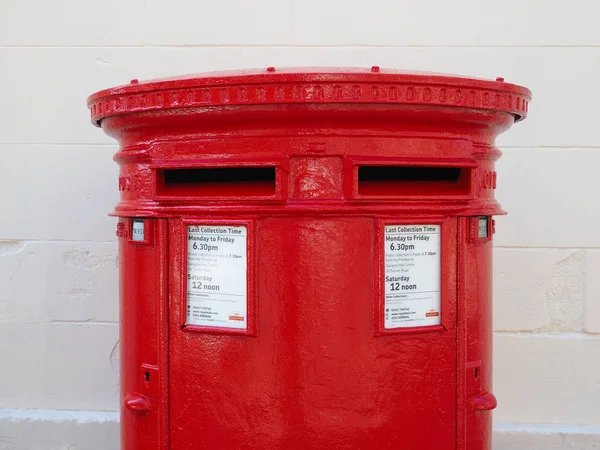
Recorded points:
(306, 258)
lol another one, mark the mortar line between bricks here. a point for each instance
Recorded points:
(547, 428)
(80, 416)
(80, 322)
(546, 335)
(60, 322)
(299, 46)
(549, 147)
(58, 144)
(51, 241)
(529, 247)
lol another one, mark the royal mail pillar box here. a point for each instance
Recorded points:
(306, 258)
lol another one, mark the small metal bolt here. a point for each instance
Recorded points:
(375, 69)
(134, 81)
(270, 69)
(500, 79)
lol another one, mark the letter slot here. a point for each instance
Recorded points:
(413, 181)
(217, 182)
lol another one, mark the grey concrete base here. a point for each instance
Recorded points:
(92, 430)
(545, 437)
(58, 430)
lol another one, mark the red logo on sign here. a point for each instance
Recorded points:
(236, 318)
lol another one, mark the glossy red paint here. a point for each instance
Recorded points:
(314, 164)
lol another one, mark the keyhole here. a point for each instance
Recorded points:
(476, 372)
(147, 377)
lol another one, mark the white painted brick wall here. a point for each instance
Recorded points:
(58, 283)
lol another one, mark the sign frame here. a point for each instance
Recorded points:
(251, 285)
(446, 240)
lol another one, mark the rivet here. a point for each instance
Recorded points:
(375, 69)
(134, 81)
(500, 79)
(270, 69)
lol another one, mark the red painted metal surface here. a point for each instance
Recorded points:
(313, 165)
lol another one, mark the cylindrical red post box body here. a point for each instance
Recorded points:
(306, 258)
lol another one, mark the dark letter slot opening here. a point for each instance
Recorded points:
(217, 182)
(414, 181)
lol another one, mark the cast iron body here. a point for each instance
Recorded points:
(315, 367)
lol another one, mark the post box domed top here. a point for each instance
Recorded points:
(271, 86)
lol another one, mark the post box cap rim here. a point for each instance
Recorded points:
(310, 85)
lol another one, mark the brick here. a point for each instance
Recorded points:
(548, 194)
(592, 305)
(539, 290)
(462, 22)
(58, 281)
(547, 379)
(144, 22)
(60, 115)
(59, 366)
(279, 22)
(60, 192)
